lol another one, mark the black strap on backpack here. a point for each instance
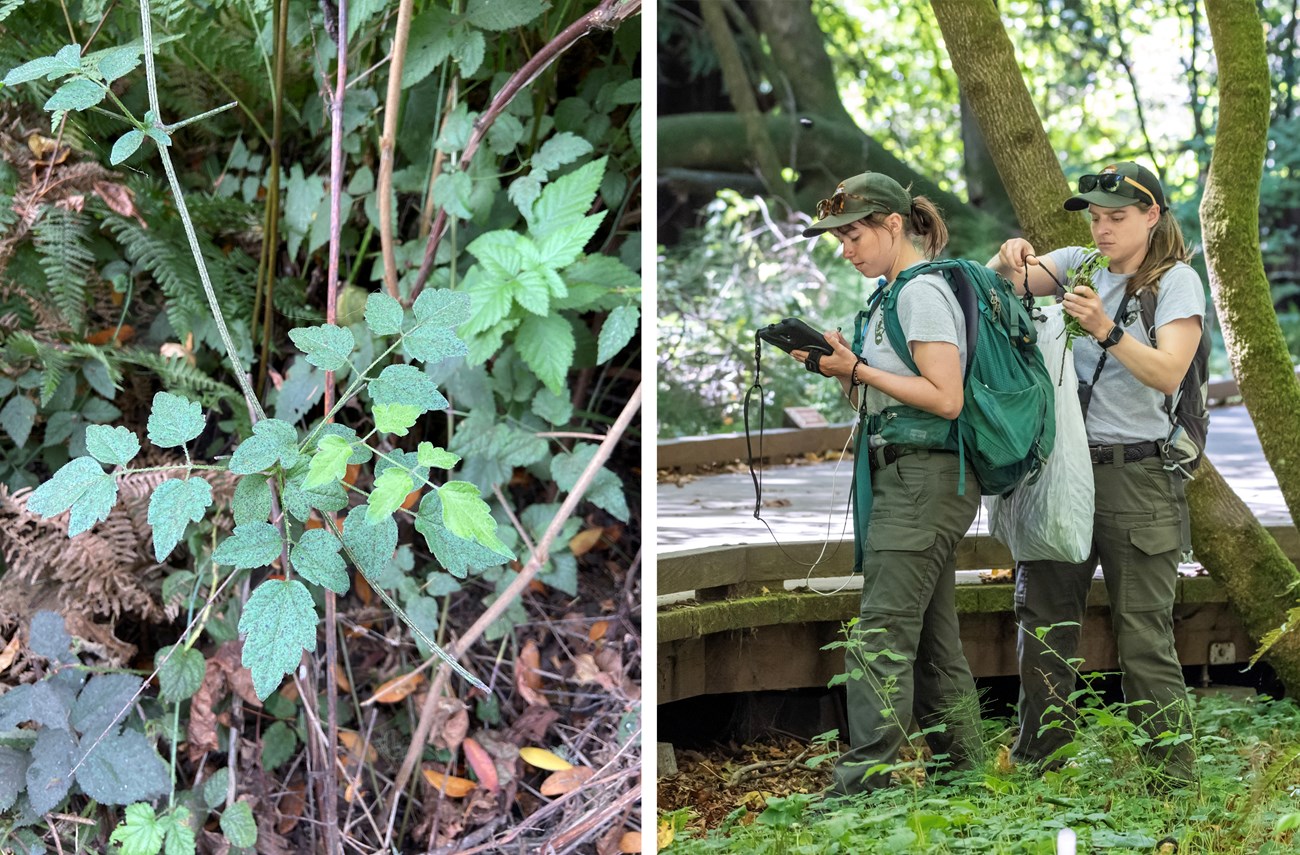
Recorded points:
(755, 474)
(1085, 389)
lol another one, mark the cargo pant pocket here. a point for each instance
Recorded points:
(899, 570)
(1151, 573)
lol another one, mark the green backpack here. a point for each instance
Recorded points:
(1007, 424)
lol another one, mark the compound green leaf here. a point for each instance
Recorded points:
(272, 440)
(329, 463)
(17, 418)
(390, 489)
(78, 94)
(395, 418)
(430, 45)
(253, 544)
(126, 145)
(119, 63)
(112, 446)
(567, 199)
(441, 458)
(468, 49)
(619, 327)
(299, 501)
(252, 500)
(562, 246)
(181, 673)
(383, 314)
(175, 504)
(174, 420)
(546, 344)
(81, 485)
(279, 623)
(556, 409)
(104, 701)
(140, 833)
(214, 788)
(13, 772)
(361, 452)
(437, 313)
(316, 558)
(371, 547)
(452, 191)
(560, 149)
(503, 14)
(406, 384)
(466, 515)
(327, 346)
(238, 825)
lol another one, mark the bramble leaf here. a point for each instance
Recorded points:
(279, 623)
(119, 62)
(112, 446)
(466, 515)
(371, 547)
(606, 491)
(329, 463)
(406, 384)
(457, 555)
(126, 145)
(252, 500)
(77, 94)
(278, 745)
(122, 768)
(181, 673)
(272, 440)
(316, 558)
(49, 636)
(437, 314)
(174, 505)
(395, 418)
(546, 344)
(17, 418)
(81, 485)
(180, 836)
(174, 420)
(238, 825)
(438, 457)
(619, 327)
(105, 701)
(383, 314)
(390, 489)
(327, 346)
(39, 67)
(253, 544)
(49, 777)
(502, 14)
(140, 833)
(567, 199)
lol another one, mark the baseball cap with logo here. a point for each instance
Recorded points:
(858, 197)
(1118, 185)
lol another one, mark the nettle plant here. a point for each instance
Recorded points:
(307, 472)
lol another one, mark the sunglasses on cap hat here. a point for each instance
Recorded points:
(1113, 182)
(836, 204)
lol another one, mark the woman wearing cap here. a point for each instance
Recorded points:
(1138, 522)
(905, 646)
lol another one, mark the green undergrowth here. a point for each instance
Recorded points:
(1247, 800)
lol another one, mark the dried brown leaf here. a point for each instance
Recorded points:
(566, 780)
(585, 540)
(630, 843)
(454, 787)
(481, 762)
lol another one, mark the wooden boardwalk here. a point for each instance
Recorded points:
(742, 610)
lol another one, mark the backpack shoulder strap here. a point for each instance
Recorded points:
(967, 298)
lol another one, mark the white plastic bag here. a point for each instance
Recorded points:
(1051, 519)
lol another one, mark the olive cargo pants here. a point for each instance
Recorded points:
(905, 657)
(1137, 537)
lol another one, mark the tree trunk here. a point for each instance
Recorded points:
(740, 89)
(984, 186)
(985, 63)
(1239, 554)
(1230, 228)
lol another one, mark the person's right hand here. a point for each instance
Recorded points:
(1015, 253)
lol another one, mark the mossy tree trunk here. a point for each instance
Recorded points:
(1237, 551)
(1230, 227)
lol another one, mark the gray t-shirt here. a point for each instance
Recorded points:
(1123, 409)
(927, 311)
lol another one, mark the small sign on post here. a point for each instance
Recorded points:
(805, 417)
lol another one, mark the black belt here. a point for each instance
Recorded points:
(886, 455)
(1132, 453)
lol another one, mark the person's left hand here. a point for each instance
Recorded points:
(839, 363)
(1085, 304)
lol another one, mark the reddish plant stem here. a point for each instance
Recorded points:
(607, 16)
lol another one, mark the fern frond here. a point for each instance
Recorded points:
(62, 238)
(161, 250)
(21, 348)
(8, 7)
(178, 376)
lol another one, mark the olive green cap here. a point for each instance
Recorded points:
(865, 194)
(1125, 193)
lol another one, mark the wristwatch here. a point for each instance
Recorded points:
(1112, 338)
